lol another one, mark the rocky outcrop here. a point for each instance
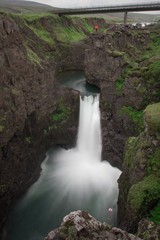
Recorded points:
(81, 225)
(148, 230)
(139, 183)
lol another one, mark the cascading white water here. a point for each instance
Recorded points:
(89, 132)
(79, 173)
(70, 180)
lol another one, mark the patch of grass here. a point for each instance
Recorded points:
(2, 127)
(58, 118)
(153, 71)
(117, 53)
(69, 34)
(135, 115)
(155, 214)
(130, 152)
(30, 17)
(43, 34)
(119, 83)
(86, 25)
(15, 91)
(153, 162)
(33, 57)
(28, 140)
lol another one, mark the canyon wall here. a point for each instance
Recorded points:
(125, 64)
(35, 112)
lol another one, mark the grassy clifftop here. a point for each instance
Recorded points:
(47, 36)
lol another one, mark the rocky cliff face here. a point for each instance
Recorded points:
(35, 113)
(125, 64)
(140, 183)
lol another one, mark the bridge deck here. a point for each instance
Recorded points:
(111, 8)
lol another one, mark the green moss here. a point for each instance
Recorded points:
(117, 53)
(33, 57)
(28, 139)
(119, 83)
(153, 162)
(144, 193)
(130, 152)
(155, 214)
(58, 118)
(30, 17)
(3, 188)
(152, 118)
(153, 71)
(135, 115)
(2, 128)
(43, 35)
(69, 34)
(86, 25)
(15, 91)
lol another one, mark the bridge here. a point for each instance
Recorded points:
(152, 6)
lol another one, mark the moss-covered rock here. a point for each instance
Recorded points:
(144, 193)
(141, 176)
(152, 119)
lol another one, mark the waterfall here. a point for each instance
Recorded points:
(79, 173)
(74, 179)
(89, 132)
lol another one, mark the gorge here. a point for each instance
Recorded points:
(123, 62)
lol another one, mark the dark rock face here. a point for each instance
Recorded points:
(81, 225)
(30, 99)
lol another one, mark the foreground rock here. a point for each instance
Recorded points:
(81, 225)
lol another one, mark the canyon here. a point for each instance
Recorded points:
(36, 114)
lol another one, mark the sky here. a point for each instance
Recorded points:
(88, 3)
(85, 3)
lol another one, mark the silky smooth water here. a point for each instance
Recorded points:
(70, 180)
